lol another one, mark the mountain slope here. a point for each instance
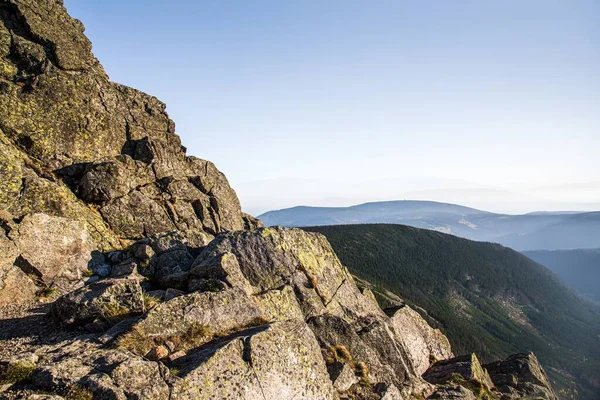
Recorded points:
(523, 232)
(483, 296)
(579, 268)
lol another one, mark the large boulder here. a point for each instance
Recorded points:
(270, 258)
(464, 370)
(278, 361)
(109, 300)
(55, 249)
(521, 376)
(15, 285)
(425, 345)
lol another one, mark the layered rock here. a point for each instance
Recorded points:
(465, 367)
(164, 295)
(77, 146)
(521, 375)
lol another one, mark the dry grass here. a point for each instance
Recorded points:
(87, 273)
(16, 372)
(47, 292)
(313, 280)
(136, 341)
(197, 334)
(79, 393)
(362, 371)
(113, 312)
(150, 301)
(342, 354)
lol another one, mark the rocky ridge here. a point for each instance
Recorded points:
(153, 283)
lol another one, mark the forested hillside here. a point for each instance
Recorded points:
(579, 268)
(486, 298)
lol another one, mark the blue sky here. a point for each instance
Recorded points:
(371, 100)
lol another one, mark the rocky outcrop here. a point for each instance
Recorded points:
(465, 367)
(519, 376)
(167, 290)
(99, 154)
(425, 345)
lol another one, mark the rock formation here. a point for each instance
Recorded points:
(157, 286)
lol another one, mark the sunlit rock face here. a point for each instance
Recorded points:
(160, 287)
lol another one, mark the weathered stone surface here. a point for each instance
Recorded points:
(67, 132)
(15, 285)
(107, 373)
(374, 345)
(422, 342)
(220, 313)
(521, 376)
(453, 393)
(466, 366)
(141, 379)
(269, 258)
(278, 361)
(342, 375)
(55, 248)
(111, 300)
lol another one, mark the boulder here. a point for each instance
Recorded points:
(269, 258)
(521, 376)
(277, 361)
(465, 368)
(342, 375)
(110, 300)
(194, 319)
(15, 285)
(56, 249)
(424, 344)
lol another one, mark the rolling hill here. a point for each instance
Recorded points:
(579, 268)
(487, 298)
(533, 231)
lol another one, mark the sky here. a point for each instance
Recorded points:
(491, 104)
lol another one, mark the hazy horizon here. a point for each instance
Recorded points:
(499, 96)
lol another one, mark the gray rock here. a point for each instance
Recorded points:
(342, 375)
(422, 342)
(98, 264)
(124, 269)
(278, 361)
(56, 248)
(111, 300)
(521, 376)
(143, 251)
(172, 293)
(15, 285)
(466, 366)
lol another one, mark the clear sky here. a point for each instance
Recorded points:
(329, 102)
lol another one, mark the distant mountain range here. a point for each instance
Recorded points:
(578, 268)
(532, 231)
(483, 296)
